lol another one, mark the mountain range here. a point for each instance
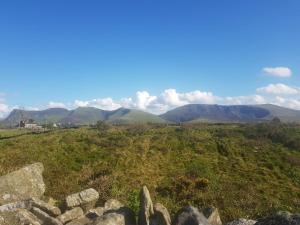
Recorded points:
(184, 114)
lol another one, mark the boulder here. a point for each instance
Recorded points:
(70, 215)
(161, 215)
(146, 207)
(22, 184)
(281, 218)
(26, 217)
(50, 209)
(15, 205)
(85, 199)
(242, 222)
(99, 211)
(112, 204)
(44, 217)
(81, 221)
(212, 215)
(121, 216)
(190, 216)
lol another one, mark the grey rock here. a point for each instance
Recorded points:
(212, 215)
(25, 217)
(112, 204)
(85, 199)
(15, 205)
(161, 215)
(99, 211)
(242, 222)
(190, 216)
(121, 216)
(146, 207)
(71, 215)
(50, 209)
(44, 217)
(281, 218)
(81, 221)
(22, 184)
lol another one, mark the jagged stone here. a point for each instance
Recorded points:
(146, 207)
(25, 217)
(70, 215)
(112, 204)
(121, 216)
(242, 222)
(50, 209)
(281, 218)
(212, 215)
(190, 216)
(81, 221)
(22, 184)
(44, 217)
(85, 199)
(15, 205)
(99, 211)
(161, 215)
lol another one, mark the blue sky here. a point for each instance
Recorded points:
(152, 55)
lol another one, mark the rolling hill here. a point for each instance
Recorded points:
(81, 116)
(231, 113)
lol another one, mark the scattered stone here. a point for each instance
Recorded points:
(112, 204)
(70, 215)
(25, 217)
(22, 184)
(161, 215)
(50, 209)
(81, 221)
(190, 216)
(242, 222)
(281, 218)
(212, 215)
(15, 206)
(121, 216)
(46, 218)
(99, 211)
(146, 207)
(85, 199)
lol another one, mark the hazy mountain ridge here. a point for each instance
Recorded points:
(187, 113)
(81, 116)
(230, 113)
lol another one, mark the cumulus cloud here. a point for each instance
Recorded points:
(4, 110)
(244, 100)
(104, 103)
(56, 105)
(278, 89)
(278, 71)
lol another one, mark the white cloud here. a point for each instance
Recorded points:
(244, 100)
(278, 71)
(4, 110)
(287, 102)
(278, 89)
(104, 103)
(56, 105)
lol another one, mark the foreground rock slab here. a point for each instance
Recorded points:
(85, 199)
(50, 209)
(70, 215)
(44, 217)
(190, 216)
(281, 218)
(242, 222)
(161, 215)
(146, 207)
(22, 184)
(212, 215)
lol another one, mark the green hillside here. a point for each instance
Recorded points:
(247, 171)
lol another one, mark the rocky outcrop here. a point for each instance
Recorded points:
(280, 218)
(212, 215)
(190, 216)
(22, 184)
(146, 207)
(85, 199)
(242, 222)
(21, 194)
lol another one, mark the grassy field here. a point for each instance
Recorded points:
(244, 170)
